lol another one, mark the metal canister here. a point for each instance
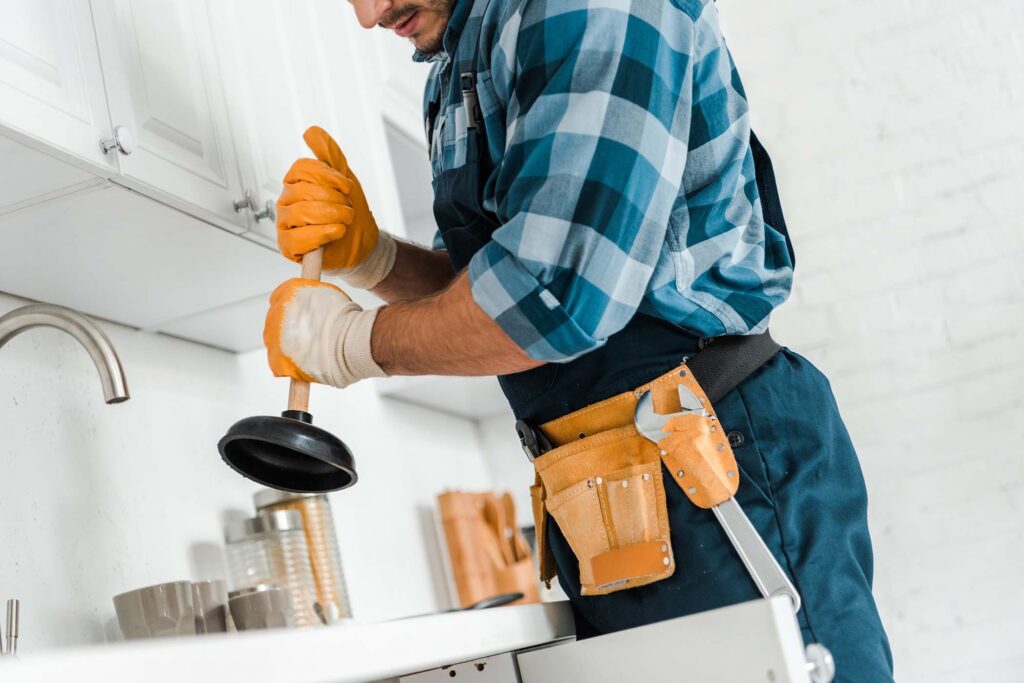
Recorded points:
(322, 540)
(270, 549)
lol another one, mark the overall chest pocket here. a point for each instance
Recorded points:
(452, 143)
(449, 145)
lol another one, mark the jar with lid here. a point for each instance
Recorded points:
(270, 549)
(322, 541)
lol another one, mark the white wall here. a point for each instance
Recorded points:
(98, 499)
(895, 126)
(509, 468)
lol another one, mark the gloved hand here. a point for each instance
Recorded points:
(323, 204)
(315, 333)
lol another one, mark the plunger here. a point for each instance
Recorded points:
(289, 453)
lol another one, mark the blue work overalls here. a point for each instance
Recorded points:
(801, 483)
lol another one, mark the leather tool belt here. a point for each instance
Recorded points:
(603, 482)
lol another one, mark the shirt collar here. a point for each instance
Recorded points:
(450, 41)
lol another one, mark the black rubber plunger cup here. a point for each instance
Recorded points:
(289, 453)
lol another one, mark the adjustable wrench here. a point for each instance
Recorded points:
(771, 580)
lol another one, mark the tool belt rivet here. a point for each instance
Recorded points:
(680, 474)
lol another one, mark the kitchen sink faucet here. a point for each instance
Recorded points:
(82, 328)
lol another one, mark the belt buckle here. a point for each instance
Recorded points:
(534, 443)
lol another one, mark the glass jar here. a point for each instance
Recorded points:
(322, 541)
(270, 549)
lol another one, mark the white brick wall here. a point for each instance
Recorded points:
(895, 127)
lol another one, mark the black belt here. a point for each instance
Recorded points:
(726, 361)
(718, 367)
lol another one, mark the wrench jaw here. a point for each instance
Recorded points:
(648, 422)
(651, 425)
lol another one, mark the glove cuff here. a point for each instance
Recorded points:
(377, 266)
(353, 353)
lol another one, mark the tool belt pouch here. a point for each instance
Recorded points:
(607, 496)
(697, 454)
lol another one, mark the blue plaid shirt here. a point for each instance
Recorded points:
(623, 179)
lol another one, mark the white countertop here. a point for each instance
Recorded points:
(336, 654)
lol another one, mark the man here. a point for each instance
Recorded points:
(605, 214)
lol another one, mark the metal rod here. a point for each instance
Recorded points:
(13, 619)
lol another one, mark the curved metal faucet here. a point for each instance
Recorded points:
(79, 326)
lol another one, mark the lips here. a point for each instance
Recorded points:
(407, 27)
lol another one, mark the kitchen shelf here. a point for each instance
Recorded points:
(340, 653)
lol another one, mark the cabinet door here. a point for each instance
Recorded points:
(293, 65)
(164, 86)
(51, 88)
(267, 49)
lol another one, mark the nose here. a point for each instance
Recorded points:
(369, 12)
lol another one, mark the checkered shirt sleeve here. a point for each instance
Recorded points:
(625, 155)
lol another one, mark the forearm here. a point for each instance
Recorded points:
(418, 273)
(445, 334)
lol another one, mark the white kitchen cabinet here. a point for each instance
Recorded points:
(28, 176)
(413, 179)
(211, 98)
(119, 255)
(400, 83)
(270, 89)
(354, 76)
(290, 66)
(51, 87)
(164, 86)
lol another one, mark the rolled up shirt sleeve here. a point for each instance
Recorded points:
(598, 119)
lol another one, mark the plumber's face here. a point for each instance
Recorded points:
(421, 21)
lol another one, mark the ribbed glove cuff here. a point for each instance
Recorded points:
(377, 266)
(353, 353)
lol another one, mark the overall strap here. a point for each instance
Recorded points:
(771, 205)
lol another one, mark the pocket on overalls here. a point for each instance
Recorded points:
(607, 496)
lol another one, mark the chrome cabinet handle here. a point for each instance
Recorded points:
(123, 141)
(267, 212)
(248, 201)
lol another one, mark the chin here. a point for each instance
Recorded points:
(430, 40)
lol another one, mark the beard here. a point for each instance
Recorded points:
(427, 43)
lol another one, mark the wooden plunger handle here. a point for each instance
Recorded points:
(298, 392)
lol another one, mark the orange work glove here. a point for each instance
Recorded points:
(323, 204)
(315, 333)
